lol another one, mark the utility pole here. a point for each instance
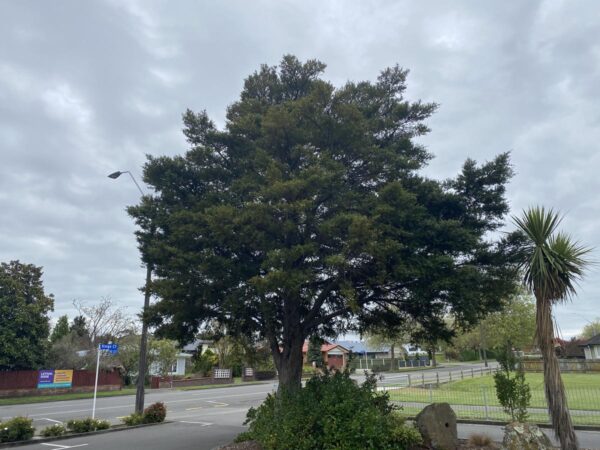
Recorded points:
(482, 344)
(143, 363)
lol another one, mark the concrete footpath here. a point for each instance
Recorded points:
(587, 439)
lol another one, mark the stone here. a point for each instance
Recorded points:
(523, 436)
(437, 425)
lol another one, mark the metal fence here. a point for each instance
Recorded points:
(386, 364)
(481, 402)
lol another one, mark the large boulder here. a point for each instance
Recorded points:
(437, 425)
(523, 436)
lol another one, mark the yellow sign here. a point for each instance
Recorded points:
(63, 376)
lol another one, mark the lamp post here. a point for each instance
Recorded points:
(143, 363)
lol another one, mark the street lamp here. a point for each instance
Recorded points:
(143, 363)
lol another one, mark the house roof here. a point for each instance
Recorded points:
(593, 341)
(193, 346)
(363, 347)
(325, 347)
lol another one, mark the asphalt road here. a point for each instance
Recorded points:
(201, 419)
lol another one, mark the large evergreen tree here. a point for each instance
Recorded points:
(60, 330)
(307, 215)
(24, 321)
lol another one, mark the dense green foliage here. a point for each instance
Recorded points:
(512, 390)
(307, 214)
(61, 329)
(16, 429)
(53, 430)
(313, 354)
(87, 425)
(133, 419)
(331, 412)
(24, 321)
(204, 362)
(155, 413)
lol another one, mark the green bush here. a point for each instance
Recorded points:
(155, 413)
(16, 429)
(133, 419)
(54, 430)
(102, 425)
(512, 391)
(331, 412)
(87, 425)
(204, 363)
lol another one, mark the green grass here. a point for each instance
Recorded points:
(236, 382)
(583, 393)
(62, 397)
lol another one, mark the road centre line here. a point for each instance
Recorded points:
(204, 424)
(64, 446)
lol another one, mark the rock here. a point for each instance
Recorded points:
(523, 436)
(437, 425)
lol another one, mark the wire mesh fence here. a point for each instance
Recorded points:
(480, 402)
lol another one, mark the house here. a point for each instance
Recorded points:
(335, 356)
(178, 367)
(199, 345)
(591, 348)
(364, 349)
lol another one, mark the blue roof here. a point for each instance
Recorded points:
(362, 347)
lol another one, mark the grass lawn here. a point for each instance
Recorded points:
(583, 393)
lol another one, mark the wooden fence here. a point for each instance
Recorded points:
(28, 379)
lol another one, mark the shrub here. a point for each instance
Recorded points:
(481, 441)
(133, 419)
(331, 412)
(102, 425)
(87, 425)
(155, 413)
(16, 429)
(54, 430)
(512, 391)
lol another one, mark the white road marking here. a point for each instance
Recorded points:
(50, 420)
(217, 404)
(204, 424)
(64, 446)
(194, 409)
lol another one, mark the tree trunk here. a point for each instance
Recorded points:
(554, 387)
(289, 364)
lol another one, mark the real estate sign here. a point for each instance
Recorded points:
(55, 379)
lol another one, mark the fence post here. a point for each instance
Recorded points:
(423, 379)
(430, 394)
(462, 375)
(450, 376)
(485, 403)
(437, 379)
(409, 380)
(472, 373)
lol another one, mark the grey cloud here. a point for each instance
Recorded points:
(87, 88)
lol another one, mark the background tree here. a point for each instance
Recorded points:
(394, 338)
(307, 215)
(61, 329)
(591, 329)
(102, 321)
(24, 321)
(79, 326)
(163, 355)
(552, 264)
(514, 323)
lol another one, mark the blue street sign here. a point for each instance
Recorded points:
(113, 348)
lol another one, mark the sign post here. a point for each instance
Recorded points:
(113, 349)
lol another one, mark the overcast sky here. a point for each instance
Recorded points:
(90, 87)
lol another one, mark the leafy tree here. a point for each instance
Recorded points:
(314, 354)
(513, 391)
(514, 323)
(552, 264)
(79, 326)
(591, 329)
(24, 321)
(307, 215)
(163, 354)
(61, 329)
